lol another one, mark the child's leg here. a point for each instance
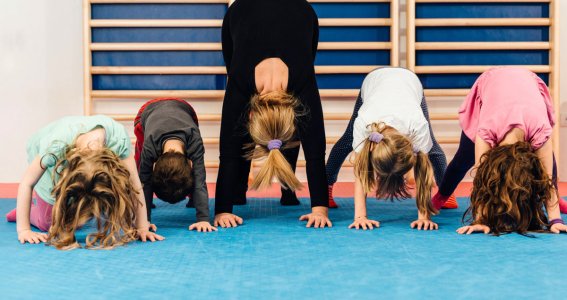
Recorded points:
(342, 148)
(40, 214)
(436, 154)
(288, 196)
(457, 169)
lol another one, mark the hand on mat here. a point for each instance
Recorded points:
(153, 227)
(203, 226)
(473, 228)
(558, 228)
(364, 223)
(319, 217)
(145, 234)
(226, 220)
(31, 237)
(424, 224)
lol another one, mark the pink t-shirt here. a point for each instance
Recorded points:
(505, 98)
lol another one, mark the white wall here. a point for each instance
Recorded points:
(41, 79)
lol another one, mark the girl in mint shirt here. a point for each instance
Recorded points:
(81, 168)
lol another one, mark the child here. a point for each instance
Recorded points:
(270, 65)
(393, 144)
(344, 147)
(507, 120)
(170, 156)
(81, 168)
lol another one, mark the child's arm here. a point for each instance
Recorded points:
(545, 154)
(480, 147)
(360, 218)
(200, 193)
(142, 223)
(23, 204)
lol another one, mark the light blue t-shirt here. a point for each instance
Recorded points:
(51, 142)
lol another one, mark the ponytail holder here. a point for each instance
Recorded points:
(376, 137)
(415, 149)
(274, 144)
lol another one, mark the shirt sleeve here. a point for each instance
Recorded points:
(469, 112)
(118, 140)
(545, 130)
(200, 193)
(359, 134)
(421, 137)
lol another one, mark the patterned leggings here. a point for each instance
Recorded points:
(343, 148)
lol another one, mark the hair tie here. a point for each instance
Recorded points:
(415, 149)
(375, 137)
(274, 144)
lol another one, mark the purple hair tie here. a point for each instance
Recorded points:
(375, 137)
(274, 144)
(555, 221)
(415, 149)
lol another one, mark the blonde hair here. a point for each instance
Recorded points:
(273, 117)
(382, 165)
(92, 184)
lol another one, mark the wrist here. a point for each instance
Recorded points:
(320, 210)
(555, 221)
(360, 217)
(23, 230)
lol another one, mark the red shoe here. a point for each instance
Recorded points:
(451, 203)
(332, 203)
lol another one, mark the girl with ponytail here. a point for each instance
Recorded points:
(270, 66)
(394, 147)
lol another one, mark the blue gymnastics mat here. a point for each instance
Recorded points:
(274, 256)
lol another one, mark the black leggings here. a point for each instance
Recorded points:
(232, 180)
(462, 162)
(343, 148)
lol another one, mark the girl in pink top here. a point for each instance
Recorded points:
(507, 122)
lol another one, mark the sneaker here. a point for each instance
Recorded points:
(451, 203)
(332, 203)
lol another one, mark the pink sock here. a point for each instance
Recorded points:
(11, 216)
(438, 200)
(563, 206)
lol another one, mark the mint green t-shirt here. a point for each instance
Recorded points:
(51, 142)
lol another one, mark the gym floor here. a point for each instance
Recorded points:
(273, 256)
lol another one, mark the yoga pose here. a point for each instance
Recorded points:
(272, 101)
(81, 168)
(170, 156)
(507, 121)
(393, 144)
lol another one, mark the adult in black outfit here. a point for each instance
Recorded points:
(270, 45)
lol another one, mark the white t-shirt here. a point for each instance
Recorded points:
(392, 96)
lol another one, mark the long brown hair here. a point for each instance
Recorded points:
(383, 165)
(92, 184)
(273, 117)
(510, 189)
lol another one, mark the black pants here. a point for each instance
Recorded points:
(343, 148)
(462, 162)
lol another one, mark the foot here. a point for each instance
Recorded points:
(451, 203)
(439, 201)
(332, 203)
(11, 216)
(289, 199)
(190, 203)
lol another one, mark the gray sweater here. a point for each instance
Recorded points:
(168, 119)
